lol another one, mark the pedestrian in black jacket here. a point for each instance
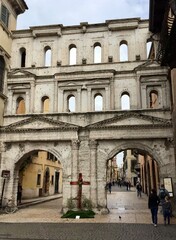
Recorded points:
(167, 210)
(153, 202)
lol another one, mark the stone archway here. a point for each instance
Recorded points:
(21, 154)
(136, 144)
(107, 149)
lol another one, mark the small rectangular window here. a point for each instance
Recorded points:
(4, 15)
(38, 179)
(50, 156)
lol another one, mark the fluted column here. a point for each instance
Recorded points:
(145, 175)
(107, 99)
(89, 102)
(151, 172)
(112, 94)
(60, 103)
(79, 101)
(156, 176)
(74, 166)
(11, 107)
(55, 97)
(32, 95)
(93, 168)
(28, 108)
(75, 159)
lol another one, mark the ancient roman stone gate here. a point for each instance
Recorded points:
(71, 105)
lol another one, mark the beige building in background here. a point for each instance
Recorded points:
(40, 175)
(129, 162)
(9, 11)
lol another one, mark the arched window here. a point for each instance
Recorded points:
(2, 70)
(23, 57)
(47, 55)
(71, 103)
(123, 51)
(125, 101)
(148, 48)
(97, 53)
(72, 54)
(20, 106)
(98, 101)
(45, 104)
(154, 99)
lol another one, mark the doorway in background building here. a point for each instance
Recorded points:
(56, 182)
(46, 181)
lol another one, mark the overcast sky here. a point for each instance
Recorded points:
(72, 12)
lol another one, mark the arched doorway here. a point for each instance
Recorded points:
(46, 182)
(135, 165)
(40, 174)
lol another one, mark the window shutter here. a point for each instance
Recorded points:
(4, 15)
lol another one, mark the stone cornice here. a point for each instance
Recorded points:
(31, 130)
(123, 121)
(19, 6)
(53, 125)
(149, 65)
(20, 73)
(153, 122)
(108, 73)
(121, 127)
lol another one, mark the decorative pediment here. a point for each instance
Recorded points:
(39, 123)
(71, 84)
(130, 120)
(96, 82)
(148, 64)
(20, 73)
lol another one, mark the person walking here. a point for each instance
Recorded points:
(109, 186)
(162, 194)
(167, 210)
(153, 202)
(19, 193)
(139, 189)
(127, 185)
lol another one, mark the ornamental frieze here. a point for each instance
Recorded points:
(38, 123)
(132, 120)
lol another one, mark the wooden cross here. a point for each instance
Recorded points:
(80, 182)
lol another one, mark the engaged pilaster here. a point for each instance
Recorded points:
(75, 158)
(93, 168)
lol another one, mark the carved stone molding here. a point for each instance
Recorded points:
(93, 144)
(169, 143)
(2, 147)
(22, 147)
(8, 146)
(27, 125)
(150, 122)
(75, 144)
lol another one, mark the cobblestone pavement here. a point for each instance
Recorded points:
(85, 231)
(120, 203)
(43, 222)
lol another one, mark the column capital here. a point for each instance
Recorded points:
(75, 144)
(93, 144)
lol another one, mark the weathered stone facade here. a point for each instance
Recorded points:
(83, 140)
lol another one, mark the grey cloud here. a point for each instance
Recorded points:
(72, 12)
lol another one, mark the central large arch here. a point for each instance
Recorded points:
(106, 150)
(136, 145)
